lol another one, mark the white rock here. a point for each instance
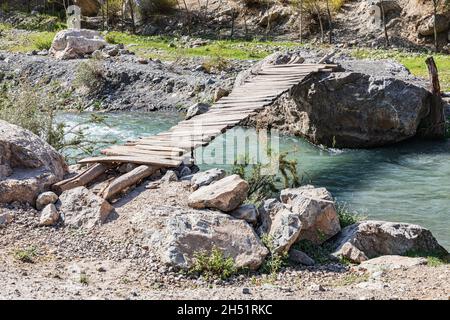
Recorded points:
(49, 216)
(226, 194)
(46, 198)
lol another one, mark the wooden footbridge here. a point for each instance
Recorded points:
(171, 148)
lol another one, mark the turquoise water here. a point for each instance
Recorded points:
(408, 182)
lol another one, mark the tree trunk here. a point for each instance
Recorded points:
(435, 4)
(301, 21)
(386, 37)
(133, 23)
(330, 23)
(188, 14)
(435, 126)
(319, 16)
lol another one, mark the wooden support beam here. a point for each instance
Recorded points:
(127, 180)
(81, 179)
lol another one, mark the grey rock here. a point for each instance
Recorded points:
(49, 216)
(207, 177)
(371, 239)
(226, 194)
(45, 198)
(247, 212)
(391, 262)
(300, 257)
(82, 208)
(185, 234)
(196, 109)
(267, 211)
(284, 230)
(315, 207)
(6, 218)
(426, 25)
(185, 172)
(29, 165)
(169, 176)
(220, 93)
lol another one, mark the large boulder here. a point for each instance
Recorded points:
(364, 104)
(74, 43)
(425, 27)
(80, 207)
(88, 8)
(226, 194)
(196, 109)
(370, 239)
(316, 210)
(29, 165)
(185, 234)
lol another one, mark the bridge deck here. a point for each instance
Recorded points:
(170, 148)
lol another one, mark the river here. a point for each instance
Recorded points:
(408, 182)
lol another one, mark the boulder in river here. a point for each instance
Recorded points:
(226, 194)
(30, 165)
(185, 234)
(369, 239)
(74, 43)
(363, 104)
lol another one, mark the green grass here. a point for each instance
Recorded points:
(346, 216)
(434, 259)
(168, 48)
(415, 62)
(24, 42)
(26, 255)
(213, 264)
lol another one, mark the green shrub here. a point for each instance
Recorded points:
(215, 64)
(26, 255)
(274, 261)
(213, 264)
(347, 217)
(90, 75)
(43, 42)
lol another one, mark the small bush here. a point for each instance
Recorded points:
(274, 261)
(215, 64)
(43, 42)
(90, 75)
(84, 279)
(213, 264)
(26, 255)
(347, 217)
(434, 259)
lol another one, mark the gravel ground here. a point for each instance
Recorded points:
(110, 262)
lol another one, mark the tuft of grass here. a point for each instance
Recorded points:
(434, 259)
(26, 255)
(350, 279)
(84, 279)
(42, 41)
(347, 217)
(274, 261)
(213, 264)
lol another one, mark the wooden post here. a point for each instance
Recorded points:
(436, 127)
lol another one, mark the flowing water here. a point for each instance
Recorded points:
(408, 182)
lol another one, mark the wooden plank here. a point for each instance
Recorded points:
(81, 179)
(138, 160)
(121, 150)
(127, 180)
(162, 148)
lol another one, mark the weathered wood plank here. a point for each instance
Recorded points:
(127, 180)
(81, 179)
(138, 160)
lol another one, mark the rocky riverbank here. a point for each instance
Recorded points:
(146, 242)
